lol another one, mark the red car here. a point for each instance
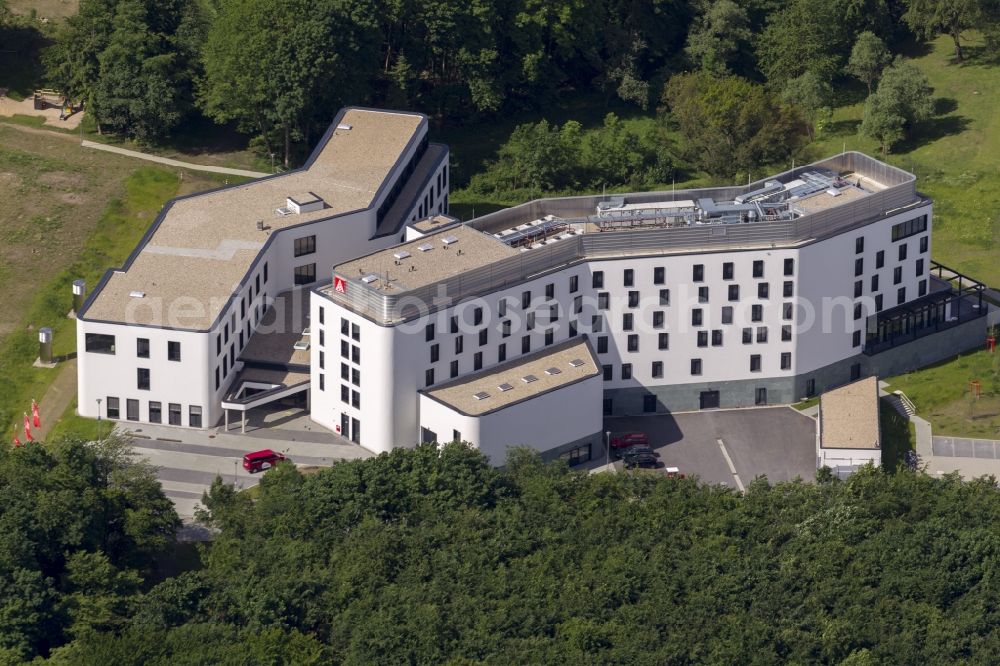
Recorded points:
(262, 460)
(620, 440)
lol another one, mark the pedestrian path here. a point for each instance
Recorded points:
(169, 162)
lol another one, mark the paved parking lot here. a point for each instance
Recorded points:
(777, 442)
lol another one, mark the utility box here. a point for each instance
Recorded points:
(45, 345)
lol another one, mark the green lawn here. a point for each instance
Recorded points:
(897, 436)
(942, 395)
(118, 230)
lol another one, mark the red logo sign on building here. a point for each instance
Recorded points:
(339, 284)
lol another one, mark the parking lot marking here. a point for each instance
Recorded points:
(732, 468)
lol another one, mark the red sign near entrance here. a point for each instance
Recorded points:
(339, 285)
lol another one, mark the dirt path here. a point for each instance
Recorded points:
(174, 163)
(57, 399)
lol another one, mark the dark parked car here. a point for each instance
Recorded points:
(634, 450)
(641, 460)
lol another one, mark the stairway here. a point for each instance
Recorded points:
(901, 404)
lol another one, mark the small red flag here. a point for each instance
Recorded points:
(17, 442)
(36, 419)
(27, 429)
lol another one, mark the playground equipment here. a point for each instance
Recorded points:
(991, 342)
(975, 388)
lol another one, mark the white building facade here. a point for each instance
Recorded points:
(690, 303)
(160, 340)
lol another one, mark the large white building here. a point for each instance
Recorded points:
(528, 326)
(187, 326)
(708, 298)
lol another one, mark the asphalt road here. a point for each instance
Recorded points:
(778, 442)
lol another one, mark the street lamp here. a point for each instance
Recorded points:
(98, 418)
(607, 449)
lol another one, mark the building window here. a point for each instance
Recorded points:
(755, 363)
(553, 312)
(597, 280)
(696, 366)
(734, 292)
(763, 290)
(355, 354)
(525, 344)
(786, 333)
(696, 316)
(345, 394)
(787, 311)
(572, 329)
(550, 291)
(902, 251)
(429, 377)
(626, 371)
(574, 283)
(550, 336)
(762, 334)
(602, 300)
(900, 295)
(788, 289)
(607, 407)
(859, 266)
(633, 299)
(920, 267)
(702, 338)
(501, 308)
(596, 324)
(859, 245)
(912, 227)
(345, 371)
(142, 379)
(345, 326)
(855, 371)
(345, 349)
(194, 415)
(322, 317)
(355, 376)
(453, 326)
(355, 400)
(155, 412)
(355, 332)
(727, 270)
(747, 335)
(858, 288)
(857, 311)
(659, 275)
(717, 337)
(459, 344)
(897, 274)
(664, 297)
(505, 328)
(922, 288)
(218, 344)
(99, 343)
(454, 369)
(132, 409)
(525, 300)
(607, 370)
(142, 347)
(216, 378)
(703, 294)
(633, 343)
(112, 408)
(265, 275)
(305, 274)
(786, 360)
(484, 336)
(322, 360)
(428, 332)
(698, 273)
(174, 413)
(923, 244)
(501, 353)
(305, 245)
(789, 266)
(577, 304)
(810, 388)
(658, 319)
(648, 404)
(880, 259)
(657, 369)
(173, 351)
(758, 268)
(760, 396)
(628, 278)
(663, 341)
(875, 282)
(757, 313)
(878, 302)
(627, 321)
(530, 324)
(856, 339)
(727, 314)
(435, 353)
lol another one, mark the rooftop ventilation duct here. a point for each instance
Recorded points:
(304, 203)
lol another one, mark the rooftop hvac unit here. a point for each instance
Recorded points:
(482, 395)
(425, 247)
(301, 345)
(283, 211)
(527, 379)
(449, 240)
(137, 294)
(576, 363)
(305, 203)
(553, 371)
(505, 387)
(402, 254)
(368, 279)
(345, 127)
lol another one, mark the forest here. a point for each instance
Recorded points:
(433, 556)
(745, 81)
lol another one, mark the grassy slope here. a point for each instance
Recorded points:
(897, 436)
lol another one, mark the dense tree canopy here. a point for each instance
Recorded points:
(903, 98)
(428, 556)
(80, 525)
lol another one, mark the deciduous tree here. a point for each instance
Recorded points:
(868, 58)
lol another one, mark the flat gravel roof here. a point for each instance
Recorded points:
(849, 416)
